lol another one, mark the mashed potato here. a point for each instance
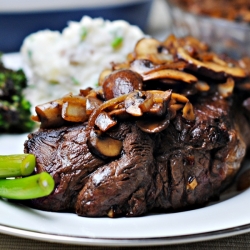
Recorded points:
(60, 63)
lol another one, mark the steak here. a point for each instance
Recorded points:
(166, 131)
(181, 167)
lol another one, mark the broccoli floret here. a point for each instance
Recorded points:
(14, 108)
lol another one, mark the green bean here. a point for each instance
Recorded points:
(16, 165)
(31, 187)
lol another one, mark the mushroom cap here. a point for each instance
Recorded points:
(121, 82)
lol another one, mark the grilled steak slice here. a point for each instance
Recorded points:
(65, 155)
(125, 185)
(184, 166)
(197, 161)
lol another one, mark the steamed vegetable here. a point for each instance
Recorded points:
(14, 108)
(15, 186)
(16, 165)
(30, 187)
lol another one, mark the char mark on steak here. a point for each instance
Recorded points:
(184, 165)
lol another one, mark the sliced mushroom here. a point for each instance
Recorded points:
(219, 61)
(228, 71)
(191, 44)
(161, 100)
(170, 41)
(160, 96)
(188, 112)
(245, 64)
(194, 42)
(104, 121)
(207, 56)
(120, 113)
(226, 89)
(103, 145)
(158, 109)
(49, 114)
(212, 57)
(170, 74)
(147, 103)
(153, 125)
(146, 46)
(105, 105)
(158, 58)
(179, 98)
(176, 107)
(152, 49)
(133, 102)
(219, 71)
(179, 65)
(141, 66)
(121, 82)
(202, 86)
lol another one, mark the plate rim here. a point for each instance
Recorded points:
(112, 242)
(126, 241)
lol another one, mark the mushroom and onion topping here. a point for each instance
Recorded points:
(158, 80)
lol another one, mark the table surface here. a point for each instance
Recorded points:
(158, 27)
(236, 242)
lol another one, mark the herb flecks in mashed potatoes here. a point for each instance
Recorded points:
(75, 57)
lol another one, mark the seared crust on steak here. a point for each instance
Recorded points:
(64, 154)
(186, 164)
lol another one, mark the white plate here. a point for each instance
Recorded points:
(228, 217)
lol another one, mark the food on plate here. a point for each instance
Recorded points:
(16, 165)
(15, 109)
(63, 62)
(243, 181)
(165, 131)
(234, 10)
(18, 181)
(30, 187)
